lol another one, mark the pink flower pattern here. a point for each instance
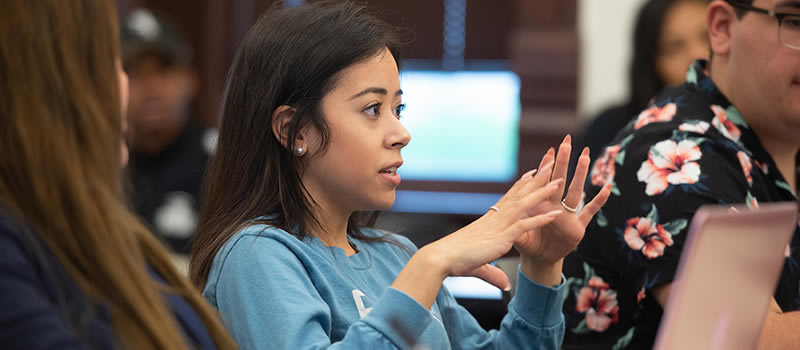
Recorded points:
(670, 163)
(603, 170)
(599, 302)
(642, 234)
(725, 125)
(699, 127)
(752, 202)
(763, 166)
(655, 114)
(747, 166)
(675, 163)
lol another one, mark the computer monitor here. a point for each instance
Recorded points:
(464, 129)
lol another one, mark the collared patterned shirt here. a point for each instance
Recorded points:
(689, 148)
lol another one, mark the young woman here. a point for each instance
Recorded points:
(310, 141)
(77, 269)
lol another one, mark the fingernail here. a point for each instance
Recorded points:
(586, 150)
(507, 288)
(567, 138)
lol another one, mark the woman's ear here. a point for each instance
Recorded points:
(280, 124)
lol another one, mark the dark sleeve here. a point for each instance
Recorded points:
(662, 180)
(28, 318)
(660, 177)
(600, 131)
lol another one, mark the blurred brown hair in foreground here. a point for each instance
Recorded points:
(60, 120)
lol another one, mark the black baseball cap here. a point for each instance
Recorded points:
(143, 32)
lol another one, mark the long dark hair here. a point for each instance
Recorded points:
(645, 81)
(290, 57)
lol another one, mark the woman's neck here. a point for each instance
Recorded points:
(332, 229)
(331, 217)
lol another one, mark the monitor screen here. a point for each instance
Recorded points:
(472, 288)
(464, 125)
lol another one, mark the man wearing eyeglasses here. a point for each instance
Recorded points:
(730, 134)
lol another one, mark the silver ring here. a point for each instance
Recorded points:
(494, 208)
(567, 208)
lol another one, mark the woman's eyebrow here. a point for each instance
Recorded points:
(374, 90)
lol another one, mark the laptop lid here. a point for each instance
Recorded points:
(726, 277)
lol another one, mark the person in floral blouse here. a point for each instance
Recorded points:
(729, 134)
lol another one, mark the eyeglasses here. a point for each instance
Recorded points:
(788, 24)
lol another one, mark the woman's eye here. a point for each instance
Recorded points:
(373, 110)
(399, 110)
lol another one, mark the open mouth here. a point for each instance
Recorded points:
(390, 173)
(390, 170)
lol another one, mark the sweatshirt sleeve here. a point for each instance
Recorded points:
(534, 320)
(269, 301)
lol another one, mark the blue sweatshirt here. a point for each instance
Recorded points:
(275, 291)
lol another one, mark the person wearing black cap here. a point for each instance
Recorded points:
(168, 152)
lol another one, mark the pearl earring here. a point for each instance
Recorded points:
(300, 151)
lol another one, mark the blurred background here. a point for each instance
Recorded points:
(527, 72)
(490, 85)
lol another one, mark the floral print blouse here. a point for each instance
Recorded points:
(690, 148)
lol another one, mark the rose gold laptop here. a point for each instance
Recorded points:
(726, 277)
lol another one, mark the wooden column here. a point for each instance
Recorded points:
(544, 52)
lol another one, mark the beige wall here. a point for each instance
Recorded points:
(605, 30)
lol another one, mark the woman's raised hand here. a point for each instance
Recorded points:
(551, 242)
(529, 217)
(468, 251)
